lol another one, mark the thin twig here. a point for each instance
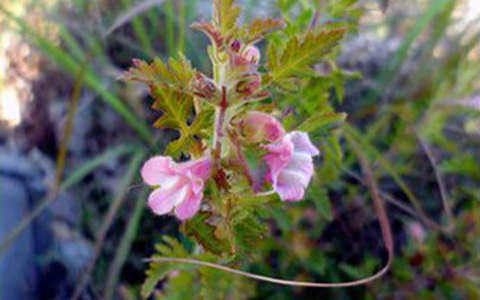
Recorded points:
(107, 223)
(441, 185)
(350, 133)
(132, 13)
(271, 279)
(385, 195)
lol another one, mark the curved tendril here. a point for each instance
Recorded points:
(273, 279)
(265, 194)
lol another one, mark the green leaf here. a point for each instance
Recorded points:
(248, 230)
(322, 121)
(322, 202)
(256, 30)
(177, 73)
(169, 85)
(300, 53)
(157, 271)
(180, 287)
(225, 16)
(204, 233)
(217, 285)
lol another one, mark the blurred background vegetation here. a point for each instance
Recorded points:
(407, 75)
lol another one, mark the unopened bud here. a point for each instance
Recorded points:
(249, 84)
(236, 45)
(251, 54)
(258, 126)
(203, 86)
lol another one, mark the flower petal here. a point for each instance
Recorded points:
(200, 168)
(189, 207)
(159, 202)
(301, 162)
(289, 190)
(179, 195)
(302, 143)
(278, 158)
(157, 169)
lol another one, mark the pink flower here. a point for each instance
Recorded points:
(290, 165)
(251, 54)
(180, 185)
(257, 126)
(247, 60)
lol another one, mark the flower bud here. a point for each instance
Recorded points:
(257, 127)
(251, 54)
(249, 84)
(236, 45)
(203, 86)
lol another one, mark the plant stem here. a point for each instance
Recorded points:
(220, 120)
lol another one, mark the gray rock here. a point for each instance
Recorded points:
(19, 183)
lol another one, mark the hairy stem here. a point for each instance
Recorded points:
(219, 126)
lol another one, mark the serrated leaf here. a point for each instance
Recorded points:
(211, 31)
(204, 233)
(170, 87)
(180, 287)
(321, 121)
(248, 230)
(300, 53)
(201, 125)
(157, 271)
(225, 16)
(256, 30)
(217, 285)
(178, 73)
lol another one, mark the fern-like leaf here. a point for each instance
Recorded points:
(225, 16)
(157, 271)
(300, 53)
(217, 285)
(204, 234)
(170, 87)
(248, 230)
(256, 30)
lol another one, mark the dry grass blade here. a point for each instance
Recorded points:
(441, 184)
(124, 246)
(107, 223)
(377, 201)
(132, 13)
(407, 209)
(72, 111)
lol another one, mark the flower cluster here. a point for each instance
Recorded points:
(288, 161)
(248, 147)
